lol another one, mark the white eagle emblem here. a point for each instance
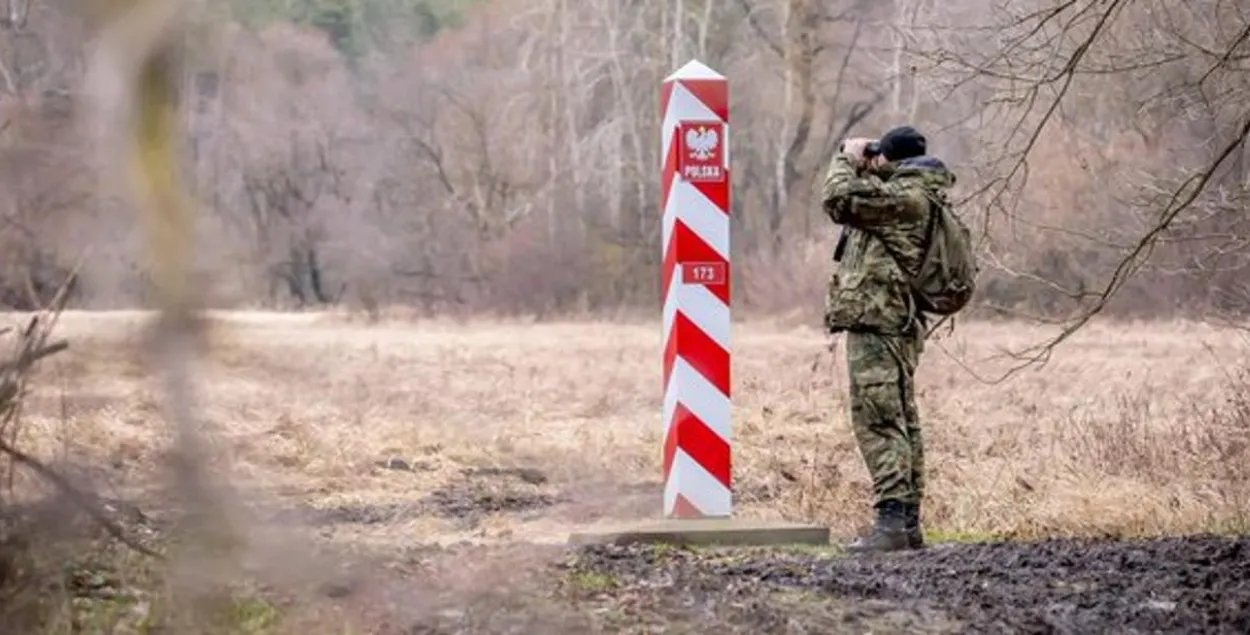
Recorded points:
(701, 142)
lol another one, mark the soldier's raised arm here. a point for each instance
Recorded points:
(860, 199)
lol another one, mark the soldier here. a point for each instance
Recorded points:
(881, 192)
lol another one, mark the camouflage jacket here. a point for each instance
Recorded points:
(885, 215)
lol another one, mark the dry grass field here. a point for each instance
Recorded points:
(379, 437)
(1130, 428)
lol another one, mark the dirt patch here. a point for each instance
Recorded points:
(1176, 585)
(480, 492)
(357, 514)
(470, 504)
(470, 497)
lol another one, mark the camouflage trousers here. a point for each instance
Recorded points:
(884, 418)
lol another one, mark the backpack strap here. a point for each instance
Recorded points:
(936, 204)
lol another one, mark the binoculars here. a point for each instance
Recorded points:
(871, 150)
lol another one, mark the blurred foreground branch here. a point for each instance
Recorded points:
(138, 64)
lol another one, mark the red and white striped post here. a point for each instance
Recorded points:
(696, 275)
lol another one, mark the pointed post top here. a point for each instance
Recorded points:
(694, 69)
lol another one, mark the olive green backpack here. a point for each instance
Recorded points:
(946, 278)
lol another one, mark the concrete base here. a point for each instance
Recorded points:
(708, 532)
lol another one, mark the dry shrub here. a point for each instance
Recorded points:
(1197, 462)
(31, 532)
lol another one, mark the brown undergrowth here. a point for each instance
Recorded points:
(397, 442)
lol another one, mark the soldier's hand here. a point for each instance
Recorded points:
(855, 147)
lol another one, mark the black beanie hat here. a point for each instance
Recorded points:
(903, 142)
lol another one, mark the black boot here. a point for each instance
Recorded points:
(890, 532)
(915, 534)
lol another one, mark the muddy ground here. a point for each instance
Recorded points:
(1189, 585)
(1198, 584)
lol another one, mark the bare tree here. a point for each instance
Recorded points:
(1123, 65)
